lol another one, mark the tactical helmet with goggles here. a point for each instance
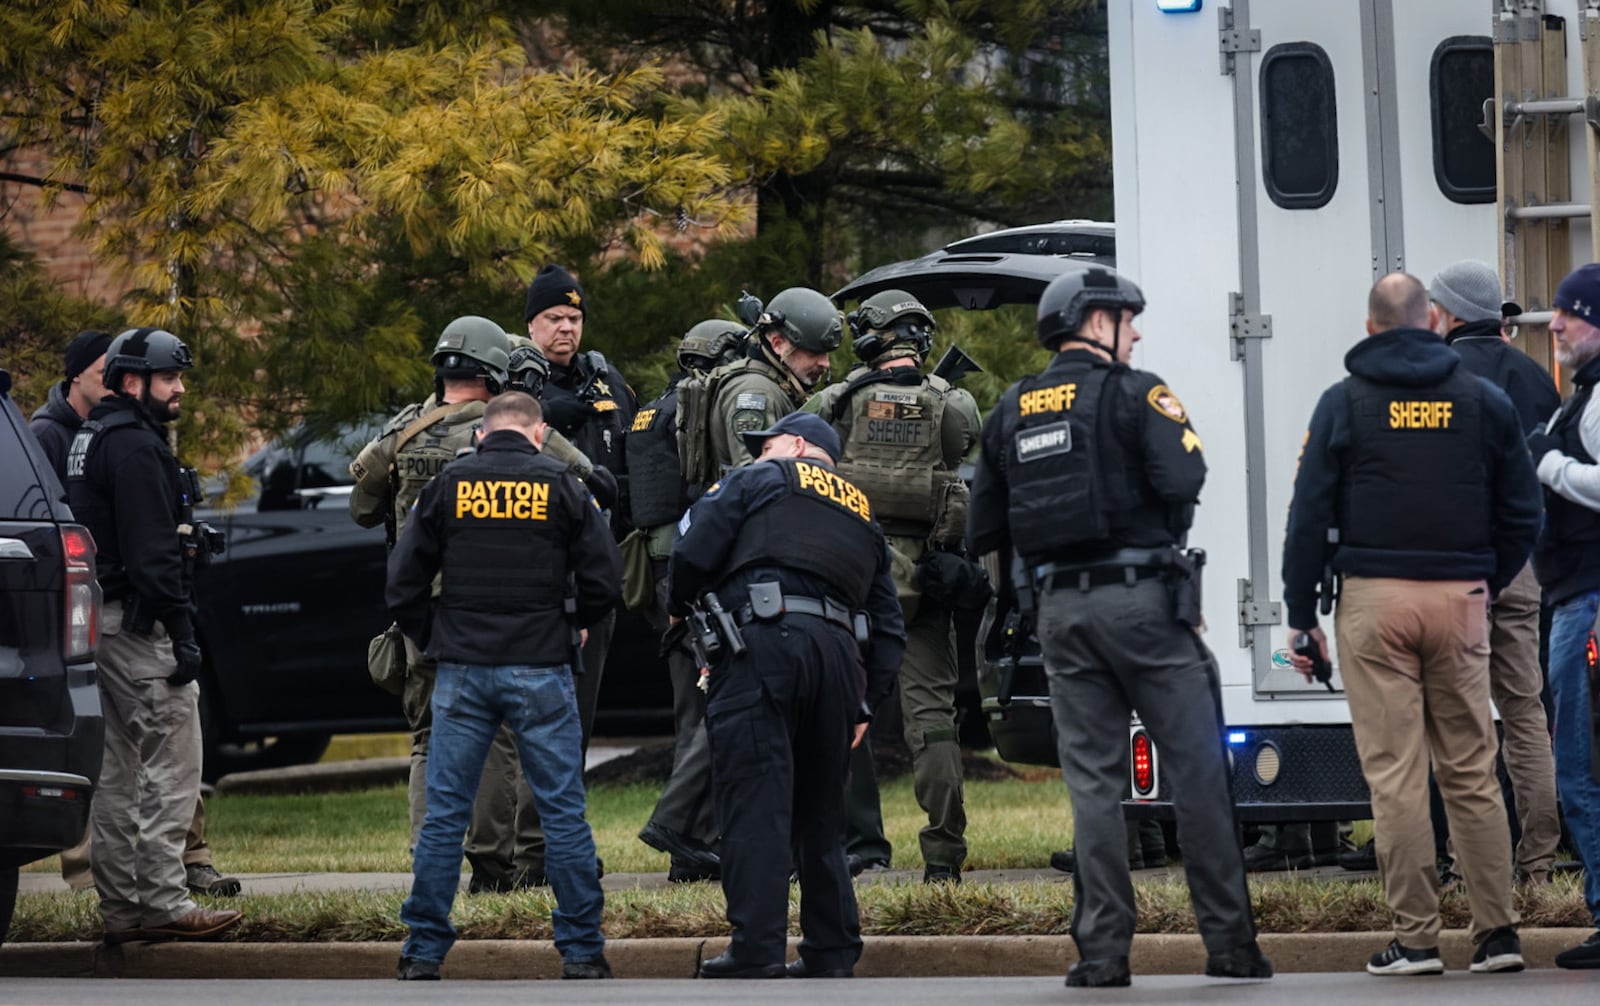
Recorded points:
(1069, 298)
(527, 369)
(470, 347)
(806, 318)
(887, 320)
(710, 344)
(144, 351)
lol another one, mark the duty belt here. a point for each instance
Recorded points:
(1125, 566)
(768, 602)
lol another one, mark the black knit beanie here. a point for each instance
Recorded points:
(552, 287)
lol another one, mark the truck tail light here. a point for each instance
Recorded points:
(1144, 764)
(81, 632)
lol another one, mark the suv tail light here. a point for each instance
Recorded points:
(81, 633)
(1144, 764)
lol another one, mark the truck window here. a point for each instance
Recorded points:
(1460, 81)
(1299, 128)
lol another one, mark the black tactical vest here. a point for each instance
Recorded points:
(594, 425)
(820, 507)
(504, 546)
(656, 491)
(1567, 557)
(90, 492)
(1053, 461)
(1415, 476)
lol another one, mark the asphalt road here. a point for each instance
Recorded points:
(1547, 987)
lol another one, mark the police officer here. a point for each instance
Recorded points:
(783, 363)
(1090, 475)
(505, 531)
(55, 423)
(1467, 295)
(469, 364)
(793, 555)
(904, 436)
(1567, 561)
(1412, 487)
(125, 485)
(683, 824)
(587, 400)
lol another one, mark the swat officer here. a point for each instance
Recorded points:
(791, 551)
(904, 436)
(55, 424)
(683, 824)
(784, 361)
(1409, 428)
(1090, 475)
(504, 531)
(125, 485)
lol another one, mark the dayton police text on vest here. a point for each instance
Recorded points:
(483, 500)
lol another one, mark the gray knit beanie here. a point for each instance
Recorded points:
(1469, 289)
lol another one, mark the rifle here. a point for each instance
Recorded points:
(956, 364)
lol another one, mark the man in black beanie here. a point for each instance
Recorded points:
(69, 403)
(587, 400)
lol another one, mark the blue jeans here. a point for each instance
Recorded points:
(1569, 685)
(469, 704)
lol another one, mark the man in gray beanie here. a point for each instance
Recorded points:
(1468, 296)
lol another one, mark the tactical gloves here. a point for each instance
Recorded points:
(1540, 444)
(187, 654)
(603, 485)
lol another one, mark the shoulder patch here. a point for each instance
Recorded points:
(749, 422)
(750, 400)
(1166, 403)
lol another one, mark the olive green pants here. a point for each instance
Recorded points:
(928, 712)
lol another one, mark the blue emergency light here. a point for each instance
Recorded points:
(1178, 6)
(1234, 736)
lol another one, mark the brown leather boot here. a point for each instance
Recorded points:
(198, 924)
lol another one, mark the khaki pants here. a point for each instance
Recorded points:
(149, 781)
(75, 865)
(1515, 683)
(1414, 656)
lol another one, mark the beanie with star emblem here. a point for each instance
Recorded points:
(1579, 293)
(553, 287)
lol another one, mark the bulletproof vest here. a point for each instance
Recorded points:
(504, 548)
(1052, 423)
(656, 490)
(91, 495)
(892, 449)
(1567, 557)
(1415, 473)
(821, 506)
(424, 456)
(697, 400)
(592, 422)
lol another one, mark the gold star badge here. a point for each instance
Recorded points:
(572, 295)
(1191, 441)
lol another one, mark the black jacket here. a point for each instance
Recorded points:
(1529, 385)
(709, 533)
(1411, 358)
(54, 423)
(130, 500)
(511, 615)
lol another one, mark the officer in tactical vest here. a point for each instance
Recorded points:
(126, 487)
(782, 364)
(1413, 489)
(1567, 561)
(505, 562)
(469, 363)
(788, 552)
(683, 824)
(904, 436)
(1089, 474)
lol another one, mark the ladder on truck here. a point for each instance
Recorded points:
(1533, 118)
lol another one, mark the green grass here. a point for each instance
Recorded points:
(1009, 824)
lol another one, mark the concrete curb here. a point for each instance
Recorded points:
(322, 777)
(883, 957)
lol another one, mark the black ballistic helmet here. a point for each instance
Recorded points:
(709, 344)
(527, 370)
(144, 351)
(1066, 302)
(887, 319)
(473, 346)
(806, 318)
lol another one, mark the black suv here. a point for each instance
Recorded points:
(51, 731)
(287, 610)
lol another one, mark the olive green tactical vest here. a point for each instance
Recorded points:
(893, 451)
(422, 457)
